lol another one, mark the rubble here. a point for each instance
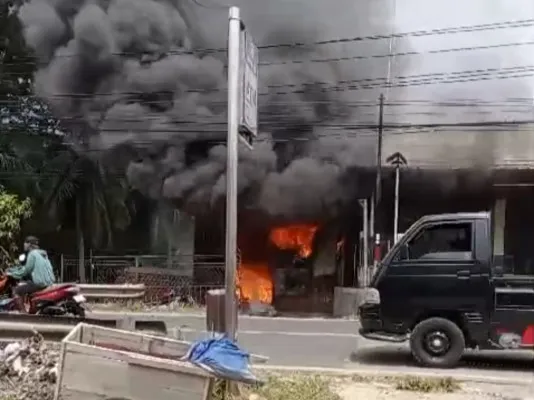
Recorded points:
(259, 308)
(28, 369)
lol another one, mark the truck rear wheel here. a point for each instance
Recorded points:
(437, 343)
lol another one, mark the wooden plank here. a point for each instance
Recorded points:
(135, 342)
(91, 373)
(75, 335)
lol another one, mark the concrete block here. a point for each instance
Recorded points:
(347, 300)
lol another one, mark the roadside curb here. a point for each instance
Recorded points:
(341, 372)
(202, 315)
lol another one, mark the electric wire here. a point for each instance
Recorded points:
(463, 76)
(511, 24)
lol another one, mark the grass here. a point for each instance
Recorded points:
(296, 387)
(427, 385)
(413, 383)
(315, 387)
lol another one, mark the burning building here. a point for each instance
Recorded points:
(143, 82)
(287, 265)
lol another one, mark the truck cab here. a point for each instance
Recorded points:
(438, 289)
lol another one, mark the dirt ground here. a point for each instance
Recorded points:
(350, 390)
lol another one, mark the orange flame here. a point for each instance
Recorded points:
(254, 279)
(296, 237)
(255, 283)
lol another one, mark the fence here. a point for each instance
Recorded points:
(112, 292)
(189, 276)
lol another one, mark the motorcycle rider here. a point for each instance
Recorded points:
(36, 273)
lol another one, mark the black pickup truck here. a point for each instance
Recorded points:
(439, 289)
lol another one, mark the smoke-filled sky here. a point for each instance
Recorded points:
(414, 15)
(127, 72)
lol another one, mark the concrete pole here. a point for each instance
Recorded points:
(365, 241)
(396, 216)
(234, 32)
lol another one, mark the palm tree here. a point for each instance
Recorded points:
(98, 198)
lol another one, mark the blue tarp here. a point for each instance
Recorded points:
(223, 358)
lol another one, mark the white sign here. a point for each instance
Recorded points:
(249, 85)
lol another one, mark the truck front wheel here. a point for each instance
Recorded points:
(437, 343)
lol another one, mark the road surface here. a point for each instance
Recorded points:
(334, 343)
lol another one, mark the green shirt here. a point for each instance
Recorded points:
(38, 267)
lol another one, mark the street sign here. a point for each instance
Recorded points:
(248, 116)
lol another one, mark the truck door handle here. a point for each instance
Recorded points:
(463, 274)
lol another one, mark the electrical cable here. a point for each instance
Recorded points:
(211, 6)
(399, 54)
(462, 76)
(446, 102)
(420, 33)
(355, 58)
(317, 124)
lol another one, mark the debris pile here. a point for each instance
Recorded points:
(28, 369)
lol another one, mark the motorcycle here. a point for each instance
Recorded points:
(55, 300)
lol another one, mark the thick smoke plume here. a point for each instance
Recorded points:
(129, 77)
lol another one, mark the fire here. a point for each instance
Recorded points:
(297, 237)
(254, 279)
(255, 283)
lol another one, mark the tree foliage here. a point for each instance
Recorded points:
(36, 160)
(13, 210)
(16, 60)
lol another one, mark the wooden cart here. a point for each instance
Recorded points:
(98, 363)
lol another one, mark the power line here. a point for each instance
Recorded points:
(354, 58)
(361, 84)
(399, 54)
(211, 7)
(445, 102)
(319, 124)
(272, 120)
(420, 33)
(427, 78)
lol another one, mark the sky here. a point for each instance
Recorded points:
(413, 15)
(345, 18)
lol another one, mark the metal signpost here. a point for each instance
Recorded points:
(397, 160)
(242, 125)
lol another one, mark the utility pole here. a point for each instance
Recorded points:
(234, 36)
(375, 199)
(365, 232)
(397, 160)
(243, 64)
(378, 185)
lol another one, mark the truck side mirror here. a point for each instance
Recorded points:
(404, 252)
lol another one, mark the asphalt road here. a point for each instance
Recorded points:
(334, 343)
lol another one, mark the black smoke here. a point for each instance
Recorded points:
(131, 78)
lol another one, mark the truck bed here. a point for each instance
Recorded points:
(516, 281)
(518, 298)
